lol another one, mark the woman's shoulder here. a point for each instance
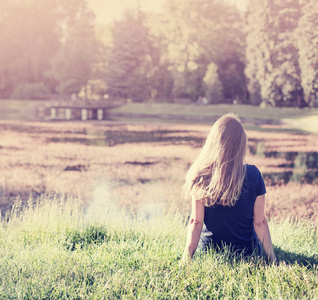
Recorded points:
(254, 177)
(252, 170)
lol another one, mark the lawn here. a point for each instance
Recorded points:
(294, 118)
(114, 226)
(58, 248)
(245, 111)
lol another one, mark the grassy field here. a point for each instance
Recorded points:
(294, 118)
(305, 120)
(246, 111)
(124, 236)
(59, 249)
(18, 109)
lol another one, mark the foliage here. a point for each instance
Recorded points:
(201, 32)
(140, 259)
(273, 67)
(308, 45)
(26, 47)
(212, 85)
(266, 55)
(256, 18)
(30, 91)
(130, 62)
(73, 65)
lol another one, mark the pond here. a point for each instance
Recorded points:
(142, 166)
(298, 166)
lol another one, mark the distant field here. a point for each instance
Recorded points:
(245, 111)
(25, 110)
(18, 109)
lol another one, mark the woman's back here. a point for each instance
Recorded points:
(228, 197)
(234, 225)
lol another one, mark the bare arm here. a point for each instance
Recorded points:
(261, 227)
(194, 228)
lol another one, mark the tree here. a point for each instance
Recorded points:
(130, 62)
(74, 63)
(212, 85)
(308, 50)
(29, 39)
(257, 17)
(201, 32)
(286, 90)
(273, 69)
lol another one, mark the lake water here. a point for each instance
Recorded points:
(298, 166)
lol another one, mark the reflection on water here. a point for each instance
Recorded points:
(299, 166)
(295, 166)
(115, 137)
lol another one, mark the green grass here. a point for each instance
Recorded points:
(14, 109)
(245, 111)
(304, 120)
(57, 249)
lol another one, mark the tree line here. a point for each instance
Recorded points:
(193, 50)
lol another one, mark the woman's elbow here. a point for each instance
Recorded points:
(260, 223)
(196, 222)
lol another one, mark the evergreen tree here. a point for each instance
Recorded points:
(161, 83)
(272, 54)
(130, 61)
(74, 63)
(308, 50)
(29, 39)
(257, 19)
(212, 85)
(285, 88)
(201, 32)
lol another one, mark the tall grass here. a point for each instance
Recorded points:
(57, 248)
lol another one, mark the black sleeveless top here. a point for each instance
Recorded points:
(233, 226)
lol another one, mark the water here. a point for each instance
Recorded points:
(298, 166)
(115, 137)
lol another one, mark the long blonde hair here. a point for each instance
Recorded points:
(217, 175)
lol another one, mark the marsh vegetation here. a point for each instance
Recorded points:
(142, 166)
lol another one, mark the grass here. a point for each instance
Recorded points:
(11, 109)
(245, 111)
(290, 119)
(57, 248)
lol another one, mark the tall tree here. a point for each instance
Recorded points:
(29, 39)
(286, 87)
(212, 85)
(130, 60)
(201, 32)
(308, 50)
(257, 47)
(161, 83)
(74, 63)
(272, 54)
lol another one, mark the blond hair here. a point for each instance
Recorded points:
(217, 175)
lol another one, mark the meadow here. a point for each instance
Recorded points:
(55, 248)
(95, 211)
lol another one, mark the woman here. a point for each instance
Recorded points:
(228, 196)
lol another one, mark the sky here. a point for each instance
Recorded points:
(108, 10)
